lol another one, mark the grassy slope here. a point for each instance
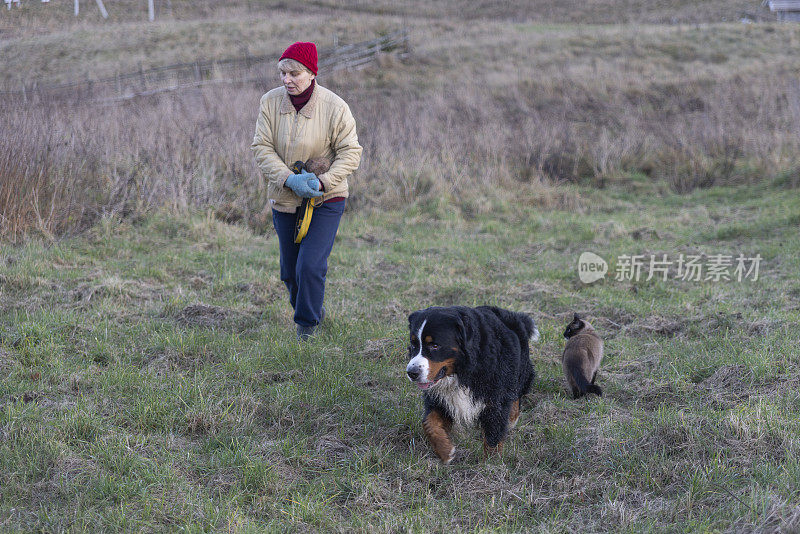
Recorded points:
(92, 52)
(34, 17)
(40, 43)
(123, 404)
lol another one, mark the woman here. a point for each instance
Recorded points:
(296, 122)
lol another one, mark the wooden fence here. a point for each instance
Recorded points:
(199, 73)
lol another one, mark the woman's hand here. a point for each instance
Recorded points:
(304, 185)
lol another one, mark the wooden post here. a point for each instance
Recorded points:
(102, 9)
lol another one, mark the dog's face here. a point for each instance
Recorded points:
(574, 327)
(434, 346)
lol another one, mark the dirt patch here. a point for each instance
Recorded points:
(647, 393)
(388, 269)
(333, 448)
(261, 293)
(645, 233)
(763, 327)
(729, 383)
(202, 315)
(536, 290)
(655, 325)
(698, 325)
(86, 292)
(171, 360)
(99, 286)
(386, 348)
(72, 468)
(618, 319)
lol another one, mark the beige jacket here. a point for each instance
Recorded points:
(324, 127)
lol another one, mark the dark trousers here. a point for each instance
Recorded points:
(304, 265)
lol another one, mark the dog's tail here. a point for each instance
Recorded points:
(535, 333)
(518, 321)
(584, 386)
(530, 326)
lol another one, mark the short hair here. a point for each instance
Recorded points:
(289, 64)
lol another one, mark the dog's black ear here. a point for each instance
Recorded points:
(469, 332)
(413, 317)
(461, 331)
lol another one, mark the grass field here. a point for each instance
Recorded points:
(149, 376)
(151, 379)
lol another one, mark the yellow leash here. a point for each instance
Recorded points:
(303, 219)
(317, 166)
(306, 209)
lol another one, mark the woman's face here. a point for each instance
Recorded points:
(296, 81)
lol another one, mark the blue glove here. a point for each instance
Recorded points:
(302, 183)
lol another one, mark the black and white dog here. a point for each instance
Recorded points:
(472, 364)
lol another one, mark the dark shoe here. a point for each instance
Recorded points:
(305, 332)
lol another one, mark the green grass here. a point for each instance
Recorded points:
(151, 381)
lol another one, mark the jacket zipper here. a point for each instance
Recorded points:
(293, 139)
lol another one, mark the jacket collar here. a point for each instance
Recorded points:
(306, 111)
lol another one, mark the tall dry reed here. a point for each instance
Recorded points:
(65, 164)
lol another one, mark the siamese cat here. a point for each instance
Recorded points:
(582, 356)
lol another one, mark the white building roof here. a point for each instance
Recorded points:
(783, 5)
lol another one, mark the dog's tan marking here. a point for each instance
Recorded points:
(513, 415)
(437, 428)
(428, 339)
(435, 367)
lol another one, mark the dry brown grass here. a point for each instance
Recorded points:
(190, 150)
(479, 117)
(34, 17)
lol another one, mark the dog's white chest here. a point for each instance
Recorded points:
(459, 400)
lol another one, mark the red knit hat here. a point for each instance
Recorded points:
(305, 53)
